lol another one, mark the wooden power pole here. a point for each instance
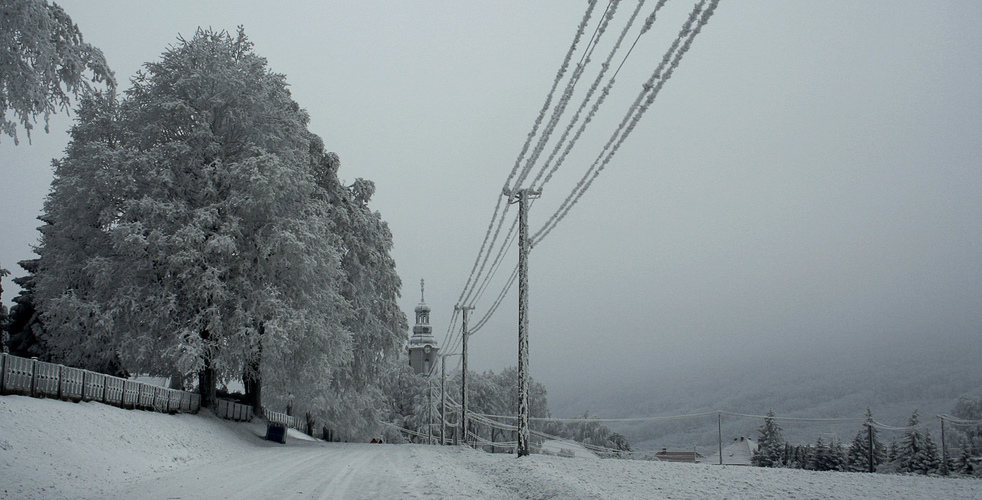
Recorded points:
(463, 372)
(524, 245)
(443, 399)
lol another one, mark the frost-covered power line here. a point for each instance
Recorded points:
(700, 16)
(497, 239)
(586, 100)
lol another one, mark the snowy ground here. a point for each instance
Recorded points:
(53, 449)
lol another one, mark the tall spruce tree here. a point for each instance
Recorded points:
(771, 443)
(818, 456)
(912, 451)
(837, 456)
(928, 460)
(964, 463)
(24, 324)
(858, 454)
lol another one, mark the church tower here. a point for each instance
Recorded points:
(422, 346)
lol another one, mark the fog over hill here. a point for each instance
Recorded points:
(890, 380)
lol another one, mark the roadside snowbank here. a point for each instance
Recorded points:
(55, 449)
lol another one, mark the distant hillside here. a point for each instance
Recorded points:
(890, 382)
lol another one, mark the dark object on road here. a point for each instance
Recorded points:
(276, 432)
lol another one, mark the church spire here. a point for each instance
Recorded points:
(422, 346)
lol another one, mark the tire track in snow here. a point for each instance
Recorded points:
(311, 470)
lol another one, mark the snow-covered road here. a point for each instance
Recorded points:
(328, 471)
(53, 449)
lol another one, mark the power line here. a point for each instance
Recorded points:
(700, 16)
(486, 250)
(560, 107)
(586, 99)
(545, 107)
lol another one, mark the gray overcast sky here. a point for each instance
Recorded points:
(809, 179)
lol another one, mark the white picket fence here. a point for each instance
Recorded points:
(30, 377)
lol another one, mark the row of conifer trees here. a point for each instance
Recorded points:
(914, 452)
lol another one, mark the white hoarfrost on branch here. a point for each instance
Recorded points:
(196, 227)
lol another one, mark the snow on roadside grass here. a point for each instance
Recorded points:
(54, 449)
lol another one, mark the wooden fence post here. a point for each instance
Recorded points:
(34, 376)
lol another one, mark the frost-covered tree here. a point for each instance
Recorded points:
(497, 394)
(893, 452)
(858, 455)
(771, 443)
(590, 431)
(78, 269)
(197, 227)
(964, 463)
(371, 285)
(916, 452)
(802, 456)
(825, 456)
(970, 408)
(929, 459)
(818, 456)
(837, 456)
(43, 61)
(407, 401)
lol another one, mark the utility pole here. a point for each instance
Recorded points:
(944, 450)
(443, 399)
(869, 436)
(719, 429)
(522, 198)
(463, 373)
(429, 407)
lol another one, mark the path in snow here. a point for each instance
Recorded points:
(54, 449)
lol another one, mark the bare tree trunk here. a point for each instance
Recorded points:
(206, 385)
(206, 379)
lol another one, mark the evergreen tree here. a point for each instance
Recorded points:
(818, 457)
(911, 451)
(964, 463)
(44, 62)
(771, 443)
(893, 453)
(788, 455)
(837, 456)
(858, 456)
(970, 408)
(928, 461)
(802, 453)
(24, 324)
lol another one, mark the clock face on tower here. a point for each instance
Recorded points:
(426, 349)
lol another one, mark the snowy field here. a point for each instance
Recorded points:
(54, 449)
